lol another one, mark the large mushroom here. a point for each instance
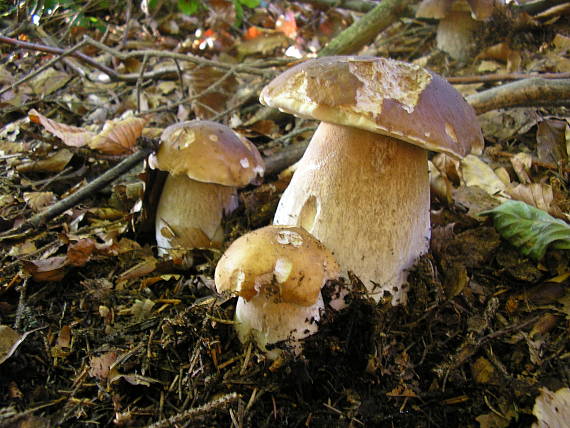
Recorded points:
(362, 186)
(206, 162)
(278, 273)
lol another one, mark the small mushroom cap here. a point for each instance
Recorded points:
(209, 152)
(284, 262)
(379, 95)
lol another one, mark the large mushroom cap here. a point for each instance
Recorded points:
(282, 261)
(209, 152)
(379, 95)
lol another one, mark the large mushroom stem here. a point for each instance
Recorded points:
(268, 321)
(189, 213)
(365, 196)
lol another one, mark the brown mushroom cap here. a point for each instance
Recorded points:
(284, 262)
(209, 152)
(382, 96)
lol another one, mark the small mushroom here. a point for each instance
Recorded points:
(459, 21)
(362, 186)
(206, 163)
(278, 273)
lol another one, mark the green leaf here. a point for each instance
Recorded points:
(189, 7)
(239, 13)
(250, 3)
(529, 229)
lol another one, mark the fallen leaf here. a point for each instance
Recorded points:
(529, 229)
(49, 81)
(51, 269)
(9, 341)
(551, 141)
(53, 163)
(100, 367)
(118, 137)
(80, 252)
(70, 135)
(522, 162)
(37, 201)
(475, 172)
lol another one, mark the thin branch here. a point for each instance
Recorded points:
(83, 193)
(523, 93)
(502, 77)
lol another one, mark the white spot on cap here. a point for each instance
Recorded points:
(244, 163)
(213, 137)
(288, 237)
(259, 170)
(282, 270)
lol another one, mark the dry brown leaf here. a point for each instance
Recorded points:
(118, 137)
(100, 367)
(53, 163)
(522, 162)
(215, 100)
(51, 269)
(49, 81)
(503, 52)
(483, 371)
(539, 195)
(551, 141)
(70, 135)
(80, 252)
(475, 172)
(9, 341)
(37, 201)
(552, 409)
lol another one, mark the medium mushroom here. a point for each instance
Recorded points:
(278, 273)
(206, 162)
(362, 186)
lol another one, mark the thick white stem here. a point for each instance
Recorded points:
(366, 197)
(267, 321)
(190, 213)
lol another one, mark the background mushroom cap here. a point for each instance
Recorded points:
(379, 95)
(209, 152)
(284, 262)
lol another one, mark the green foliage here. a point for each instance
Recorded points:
(529, 229)
(39, 10)
(191, 7)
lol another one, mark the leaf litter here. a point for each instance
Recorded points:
(123, 337)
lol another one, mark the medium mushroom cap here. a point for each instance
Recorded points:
(379, 95)
(284, 263)
(208, 152)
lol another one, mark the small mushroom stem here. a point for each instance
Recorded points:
(189, 213)
(365, 196)
(267, 321)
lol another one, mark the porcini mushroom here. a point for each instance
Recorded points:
(206, 162)
(459, 21)
(362, 185)
(278, 273)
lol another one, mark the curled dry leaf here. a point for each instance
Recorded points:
(37, 201)
(552, 409)
(70, 135)
(118, 137)
(51, 269)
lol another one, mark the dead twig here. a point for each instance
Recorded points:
(72, 200)
(213, 405)
(365, 30)
(532, 92)
(502, 77)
